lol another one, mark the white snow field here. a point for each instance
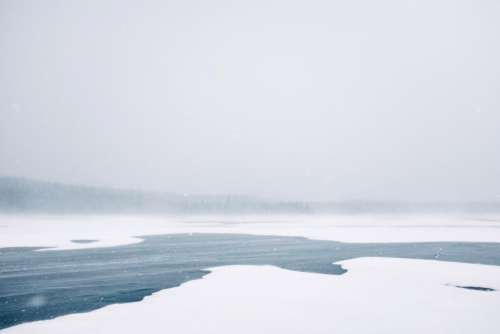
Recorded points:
(376, 295)
(58, 231)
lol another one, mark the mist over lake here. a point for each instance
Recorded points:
(278, 166)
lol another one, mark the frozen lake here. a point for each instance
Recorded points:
(86, 273)
(38, 285)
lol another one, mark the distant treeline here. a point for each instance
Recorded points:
(33, 196)
(20, 195)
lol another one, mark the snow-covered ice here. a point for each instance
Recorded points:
(58, 231)
(377, 295)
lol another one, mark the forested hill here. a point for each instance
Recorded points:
(33, 196)
(20, 195)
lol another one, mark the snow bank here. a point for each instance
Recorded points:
(119, 230)
(377, 295)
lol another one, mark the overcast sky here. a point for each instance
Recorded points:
(318, 100)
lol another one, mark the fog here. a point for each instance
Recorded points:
(305, 100)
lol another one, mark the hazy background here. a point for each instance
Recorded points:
(314, 100)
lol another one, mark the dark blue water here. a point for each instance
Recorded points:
(42, 285)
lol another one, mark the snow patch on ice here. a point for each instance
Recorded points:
(59, 231)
